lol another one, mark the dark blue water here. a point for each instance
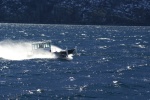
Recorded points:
(114, 64)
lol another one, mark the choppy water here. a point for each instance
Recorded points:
(114, 63)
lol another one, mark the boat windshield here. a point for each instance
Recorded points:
(39, 45)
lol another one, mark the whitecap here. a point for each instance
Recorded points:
(39, 90)
(71, 78)
(4, 67)
(103, 39)
(115, 82)
(81, 88)
(129, 67)
(139, 46)
(42, 34)
(31, 92)
(2, 82)
(62, 33)
(83, 34)
(122, 44)
(102, 47)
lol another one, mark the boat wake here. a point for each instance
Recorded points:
(22, 50)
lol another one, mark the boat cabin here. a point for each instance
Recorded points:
(38, 45)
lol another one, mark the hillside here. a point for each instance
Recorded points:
(98, 12)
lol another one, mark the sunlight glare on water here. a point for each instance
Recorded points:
(113, 63)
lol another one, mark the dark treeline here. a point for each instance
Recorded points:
(98, 12)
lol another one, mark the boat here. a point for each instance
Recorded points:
(66, 54)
